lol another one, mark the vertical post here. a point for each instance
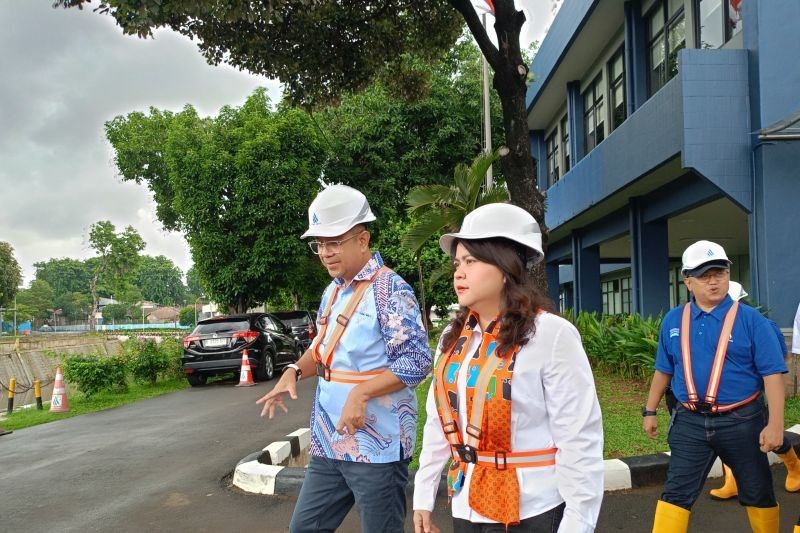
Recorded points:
(12, 385)
(487, 113)
(37, 390)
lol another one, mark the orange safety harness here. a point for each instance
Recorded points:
(709, 404)
(324, 359)
(494, 488)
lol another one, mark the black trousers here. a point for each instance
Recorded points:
(546, 522)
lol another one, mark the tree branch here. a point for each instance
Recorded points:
(475, 26)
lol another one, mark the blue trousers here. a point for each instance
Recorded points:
(696, 440)
(331, 487)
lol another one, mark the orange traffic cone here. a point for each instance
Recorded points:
(58, 403)
(246, 376)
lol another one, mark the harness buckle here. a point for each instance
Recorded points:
(323, 371)
(450, 427)
(704, 408)
(497, 455)
(473, 431)
(467, 453)
(342, 320)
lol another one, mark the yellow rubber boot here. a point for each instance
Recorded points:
(670, 518)
(793, 468)
(728, 489)
(764, 519)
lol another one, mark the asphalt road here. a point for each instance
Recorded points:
(161, 465)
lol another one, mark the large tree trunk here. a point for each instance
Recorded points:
(93, 312)
(510, 76)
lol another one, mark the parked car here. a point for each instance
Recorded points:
(302, 323)
(216, 345)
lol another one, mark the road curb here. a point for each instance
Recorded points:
(261, 472)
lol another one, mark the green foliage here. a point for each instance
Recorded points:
(115, 312)
(237, 185)
(35, 302)
(440, 208)
(625, 344)
(145, 360)
(193, 286)
(93, 373)
(186, 316)
(65, 276)
(159, 280)
(74, 305)
(10, 275)
(384, 146)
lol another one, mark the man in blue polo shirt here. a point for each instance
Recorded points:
(718, 356)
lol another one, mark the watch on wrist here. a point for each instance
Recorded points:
(645, 412)
(297, 372)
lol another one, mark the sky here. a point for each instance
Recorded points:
(63, 74)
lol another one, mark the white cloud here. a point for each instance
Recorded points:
(63, 74)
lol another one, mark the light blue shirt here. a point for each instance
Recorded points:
(386, 331)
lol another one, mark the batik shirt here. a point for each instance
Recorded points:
(385, 332)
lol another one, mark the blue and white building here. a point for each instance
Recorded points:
(656, 123)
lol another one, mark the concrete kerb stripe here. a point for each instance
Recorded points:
(262, 472)
(620, 474)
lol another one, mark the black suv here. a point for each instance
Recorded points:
(216, 345)
(302, 324)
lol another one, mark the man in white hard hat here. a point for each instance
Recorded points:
(371, 350)
(718, 357)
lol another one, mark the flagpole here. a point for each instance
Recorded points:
(487, 117)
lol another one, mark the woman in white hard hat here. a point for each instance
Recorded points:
(513, 401)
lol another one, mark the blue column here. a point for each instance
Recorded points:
(586, 276)
(635, 57)
(539, 153)
(575, 119)
(774, 249)
(551, 270)
(649, 263)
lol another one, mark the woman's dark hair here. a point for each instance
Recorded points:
(522, 299)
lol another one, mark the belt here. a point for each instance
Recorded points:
(705, 408)
(503, 460)
(346, 376)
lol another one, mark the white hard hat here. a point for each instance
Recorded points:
(500, 220)
(335, 210)
(702, 256)
(736, 291)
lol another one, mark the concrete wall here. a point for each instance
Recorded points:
(26, 359)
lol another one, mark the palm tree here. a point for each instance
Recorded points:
(443, 207)
(435, 208)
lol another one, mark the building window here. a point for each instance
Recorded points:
(552, 158)
(594, 115)
(565, 143)
(616, 294)
(616, 69)
(625, 296)
(666, 35)
(678, 293)
(718, 21)
(734, 21)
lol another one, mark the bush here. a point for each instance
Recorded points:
(147, 359)
(625, 344)
(93, 373)
(186, 316)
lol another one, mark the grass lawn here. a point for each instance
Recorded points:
(79, 404)
(621, 401)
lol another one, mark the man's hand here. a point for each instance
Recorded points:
(274, 398)
(771, 437)
(650, 426)
(353, 413)
(423, 523)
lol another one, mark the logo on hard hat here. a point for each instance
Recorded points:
(710, 253)
(315, 219)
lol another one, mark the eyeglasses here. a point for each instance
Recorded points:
(714, 274)
(333, 247)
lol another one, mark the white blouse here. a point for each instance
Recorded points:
(553, 404)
